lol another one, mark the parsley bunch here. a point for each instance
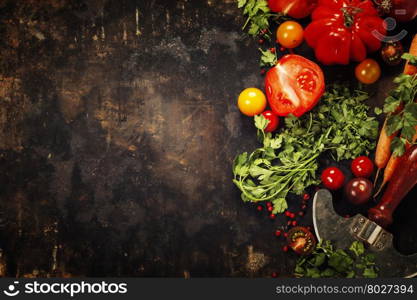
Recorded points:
(326, 261)
(258, 16)
(288, 161)
(402, 112)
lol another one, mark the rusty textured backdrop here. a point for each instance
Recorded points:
(118, 126)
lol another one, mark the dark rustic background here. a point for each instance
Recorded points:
(118, 126)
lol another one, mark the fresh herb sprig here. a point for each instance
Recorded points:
(268, 58)
(288, 161)
(326, 261)
(402, 112)
(258, 16)
(412, 59)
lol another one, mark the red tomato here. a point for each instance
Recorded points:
(344, 30)
(294, 8)
(273, 120)
(359, 190)
(362, 167)
(333, 178)
(294, 85)
(301, 240)
(401, 10)
(404, 10)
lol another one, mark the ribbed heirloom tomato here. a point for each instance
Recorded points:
(294, 85)
(344, 30)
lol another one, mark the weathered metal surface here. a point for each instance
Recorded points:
(118, 126)
(343, 231)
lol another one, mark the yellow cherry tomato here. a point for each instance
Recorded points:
(251, 102)
(290, 34)
(368, 71)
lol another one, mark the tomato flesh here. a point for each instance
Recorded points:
(294, 85)
(301, 240)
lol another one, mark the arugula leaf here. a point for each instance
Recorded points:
(410, 58)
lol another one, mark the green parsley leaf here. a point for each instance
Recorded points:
(268, 59)
(410, 58)
(357, 248)
(261, 122)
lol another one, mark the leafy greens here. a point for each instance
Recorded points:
(288, 161)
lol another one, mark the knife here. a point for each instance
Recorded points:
(342, 232)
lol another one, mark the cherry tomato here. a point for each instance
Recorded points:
(362, 167)
(251, 102)
(294, 85)
(359, 190)
(368, 71)
(401, 10)
(273, 120)
(290, 34)
(333, 178)
(391, 53)
(294, 8)
(301, 240)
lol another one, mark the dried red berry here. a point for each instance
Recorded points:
(292, 216)
(282, 49)
(301, 213)
(288, 223)
(285, 248)
(306, 197)
(294, 223)
(274, 275)
(288, 213)
(259, 208)
(278, 233)
(261, 41)
(268, 204)
(272, 50)
(303, 207)
(285, 234)
(272, 216)
(270, 208)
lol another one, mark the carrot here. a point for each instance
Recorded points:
(383, 149)
(410, 69)
(393, 164)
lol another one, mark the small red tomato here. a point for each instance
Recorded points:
(333, 178)
(359, 191)
(362, 167)
(273, 120)
(301, 240)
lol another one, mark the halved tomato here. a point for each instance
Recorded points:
(294, 85)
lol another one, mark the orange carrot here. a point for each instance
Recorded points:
(383, 157)
(393, 164)
(383, 149)
(410, 69)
